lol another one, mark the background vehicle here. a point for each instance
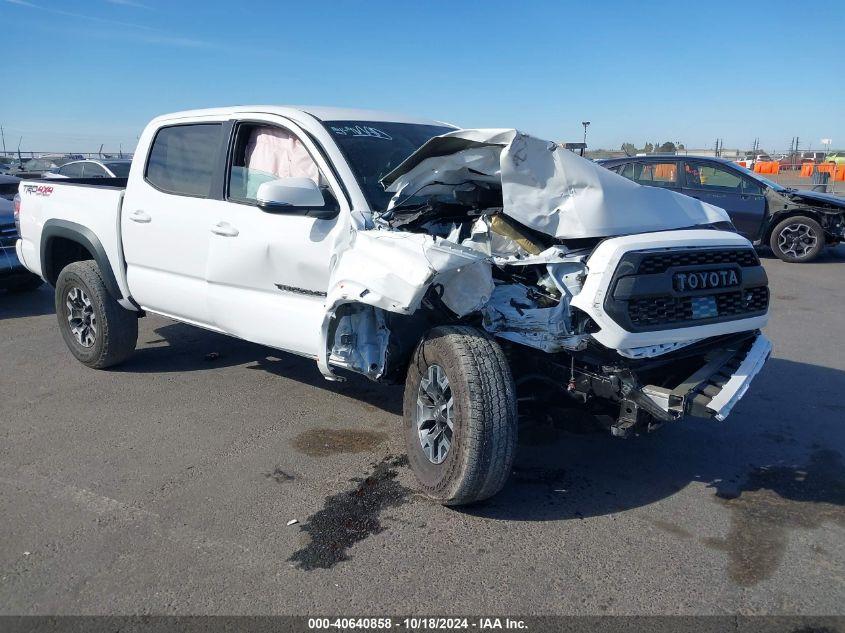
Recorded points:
(812, 156)
(13, 276)
(795, 224)
(37, 167)
(751, 158)
(407, 251)
(835, 157)
(91, 168)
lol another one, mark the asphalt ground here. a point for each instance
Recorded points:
(166, 487)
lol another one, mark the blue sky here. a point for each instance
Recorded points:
(84, 72)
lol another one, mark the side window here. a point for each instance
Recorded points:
(71, 170)
(262, 153)
(711, 177)
(92, 170)
(750, 187)
(182, 158)
(654, 174)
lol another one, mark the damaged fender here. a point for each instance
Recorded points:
(392, 271)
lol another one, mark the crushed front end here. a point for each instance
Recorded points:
(633, 301)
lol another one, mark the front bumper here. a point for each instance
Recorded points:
(711, 391)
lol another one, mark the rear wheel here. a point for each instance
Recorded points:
(98, 331)
(797, 240)
(460, 415)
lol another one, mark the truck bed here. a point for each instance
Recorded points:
(93, 204)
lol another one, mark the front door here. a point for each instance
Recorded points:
(268, 271)
(727, 188)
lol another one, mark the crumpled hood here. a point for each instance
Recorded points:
(816, 197)
(546, 187)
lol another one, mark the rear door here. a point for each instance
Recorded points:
(727, 188)
(268, 271)
(167, 217)
(663, 174)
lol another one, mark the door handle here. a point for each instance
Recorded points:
(139, 216)
(225, 229)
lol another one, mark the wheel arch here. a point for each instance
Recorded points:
(64, 242)
(777, 218)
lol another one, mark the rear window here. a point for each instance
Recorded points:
(182, 159)
(120, 170)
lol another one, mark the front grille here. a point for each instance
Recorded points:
(661, 262)
(651, 311)
(643, 296)
(8, 235)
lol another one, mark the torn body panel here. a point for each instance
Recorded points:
(392, 271)
(828, 209)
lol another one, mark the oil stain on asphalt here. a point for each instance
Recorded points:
(351, 516)
(325, 442)
(279, 476)
(773, 501)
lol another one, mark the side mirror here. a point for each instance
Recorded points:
(297, 196)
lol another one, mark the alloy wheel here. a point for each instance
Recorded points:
(81, 317)
(434, 416)
(797, 240)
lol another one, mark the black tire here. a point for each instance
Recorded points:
(116, 329)
(784, 246)
(25, 285)
(484, 421)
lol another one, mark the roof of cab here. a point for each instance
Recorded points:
(323, 113)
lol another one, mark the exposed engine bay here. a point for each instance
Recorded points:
(574, 269)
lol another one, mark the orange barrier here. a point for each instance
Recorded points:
(665, 172)
(767, 167)
(837, 172)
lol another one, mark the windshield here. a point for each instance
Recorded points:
(120, 170)
(374, 148)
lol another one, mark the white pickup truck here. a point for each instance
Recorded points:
(480, 267)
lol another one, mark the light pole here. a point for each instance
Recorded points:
(585, 124)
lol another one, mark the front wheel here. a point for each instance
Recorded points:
(98, 331)
(797, 240)
(460, 415)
